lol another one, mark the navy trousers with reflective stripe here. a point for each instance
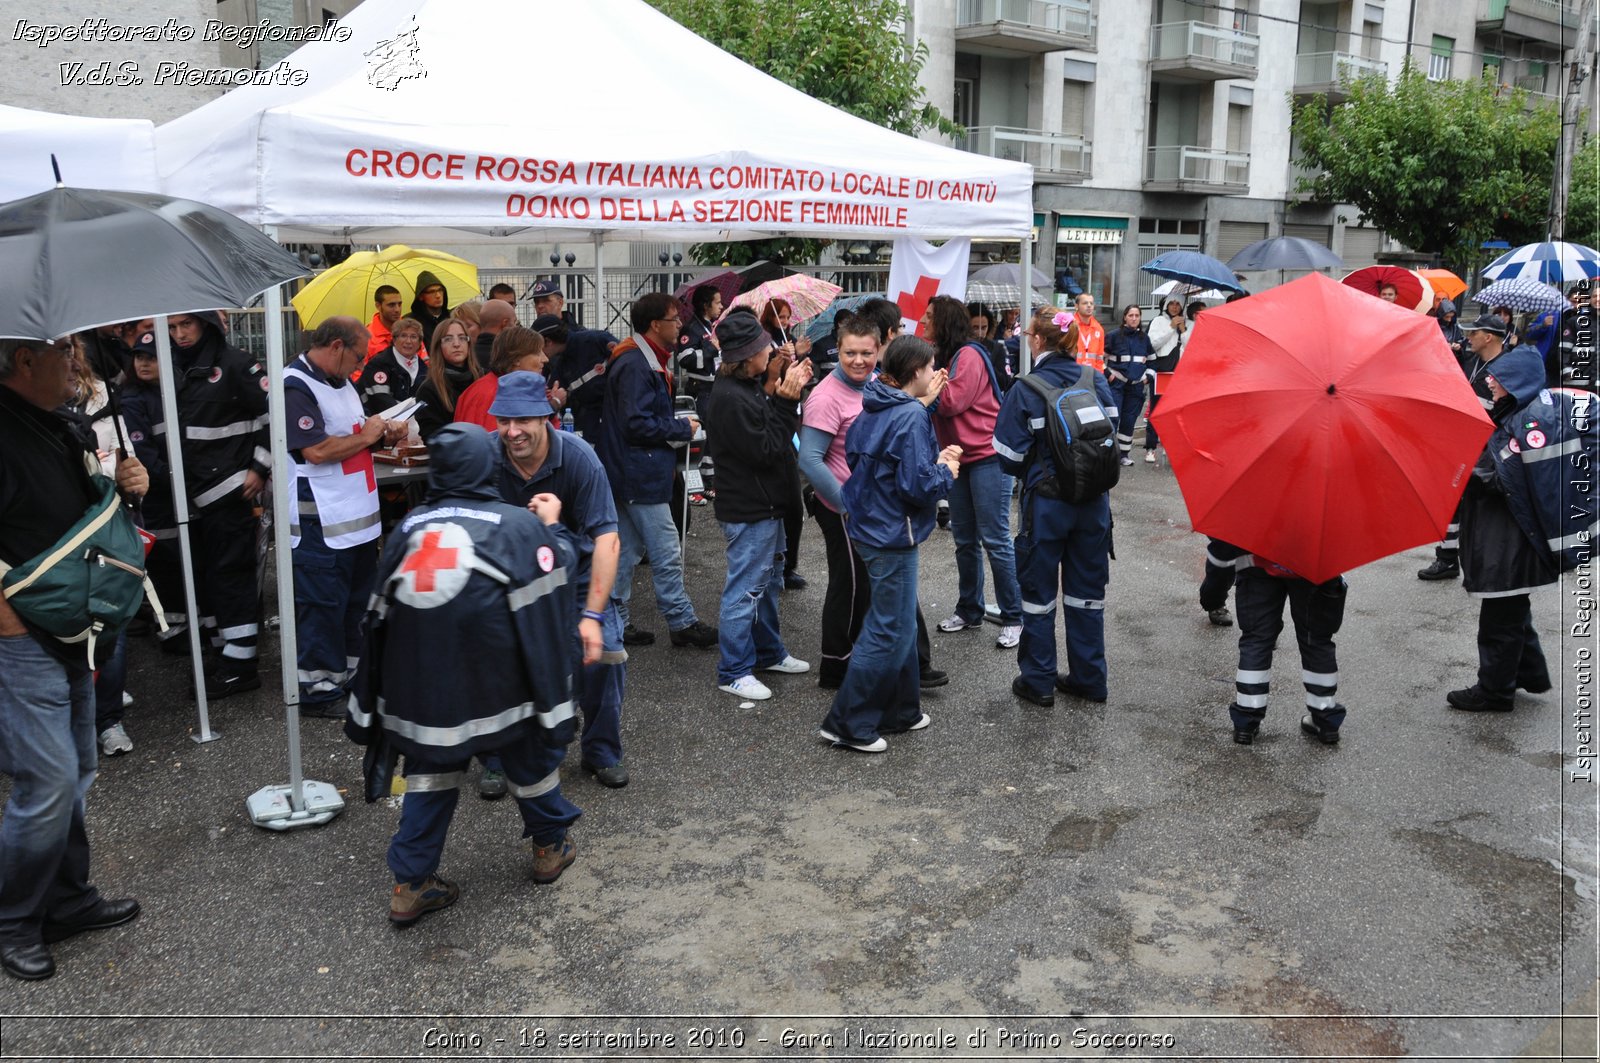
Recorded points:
(1317, 611)
(425, 814)
(331, 590)
(1065, 551)
(226, 587)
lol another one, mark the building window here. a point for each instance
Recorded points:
(1439, 59)
(965, 103)
(1155, 236)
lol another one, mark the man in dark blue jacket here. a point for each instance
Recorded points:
(1061, 547)
(468, 580)
(639, 437)
(578, 364)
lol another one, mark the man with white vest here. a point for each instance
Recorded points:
(335, 527)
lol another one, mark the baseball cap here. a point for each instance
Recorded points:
(1487, 323)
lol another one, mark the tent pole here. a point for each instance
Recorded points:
(599, 281)
(180, 500)
(303, 802)
(1024, 355)
(283, 497)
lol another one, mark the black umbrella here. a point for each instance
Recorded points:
(75, 258)
(1285, 252)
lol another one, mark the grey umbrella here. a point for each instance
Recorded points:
(1285, 252)
(1009, 273)
(75, 258)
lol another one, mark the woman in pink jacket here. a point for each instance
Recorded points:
(980, 502)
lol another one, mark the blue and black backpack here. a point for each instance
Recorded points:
(1082, 444)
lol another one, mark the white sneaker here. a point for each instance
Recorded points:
(1010, 635)
(1126, 460)
(953, 622)
(790, 665)
(115, 740)
(922, 721)
(127, 699)
(748, 687)
(1150, 456)
(877, 745)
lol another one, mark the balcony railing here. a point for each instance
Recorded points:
(1542, 20)
(1327, 71)
(1203, 44)
(1185, 168)
(1026, 26)
(1050, 154)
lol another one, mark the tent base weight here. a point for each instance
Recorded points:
(270, 807)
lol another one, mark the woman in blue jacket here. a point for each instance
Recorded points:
(897, 476)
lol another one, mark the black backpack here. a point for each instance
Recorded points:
(1082, 444)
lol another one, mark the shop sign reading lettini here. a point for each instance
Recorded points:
(1089, 236)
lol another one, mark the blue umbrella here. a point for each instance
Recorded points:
(1285, 252)
(1521, 294)
(1195, 268)
(1551, 262)
(818, 328)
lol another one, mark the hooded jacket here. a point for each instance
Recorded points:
(420, 311)
(466, 645)
(896, 480)
(1542, 454)
(222, 406)
(1451, 330)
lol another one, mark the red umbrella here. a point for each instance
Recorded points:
(1319, 428)
(1411, 290)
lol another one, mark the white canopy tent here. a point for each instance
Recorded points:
(431, 116)
(117, 153)
(423, 125)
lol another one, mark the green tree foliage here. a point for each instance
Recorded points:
(1440, 165)
(1583, 196)
(848, 53)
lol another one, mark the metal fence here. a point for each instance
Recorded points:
(247, 326)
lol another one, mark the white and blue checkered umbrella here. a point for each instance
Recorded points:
(1521, 294)
(1550, 262)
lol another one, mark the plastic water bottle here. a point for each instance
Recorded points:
(566, 421)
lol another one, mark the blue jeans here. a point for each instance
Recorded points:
(47, 746)
(882, 691)
(109, 683)
(331, 591)
(748, 625)
(646, 528)
(599, 688)
(980, 511)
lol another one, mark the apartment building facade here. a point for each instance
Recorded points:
(1161, 124)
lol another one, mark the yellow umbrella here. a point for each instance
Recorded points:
(348, 288)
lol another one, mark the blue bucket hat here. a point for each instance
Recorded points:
(521, 395)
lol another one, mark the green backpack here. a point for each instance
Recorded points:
(90, 582)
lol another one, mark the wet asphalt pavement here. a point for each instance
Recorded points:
(1014, 882)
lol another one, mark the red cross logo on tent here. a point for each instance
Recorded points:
(361, 461)
(438, 563)
(914, 304)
